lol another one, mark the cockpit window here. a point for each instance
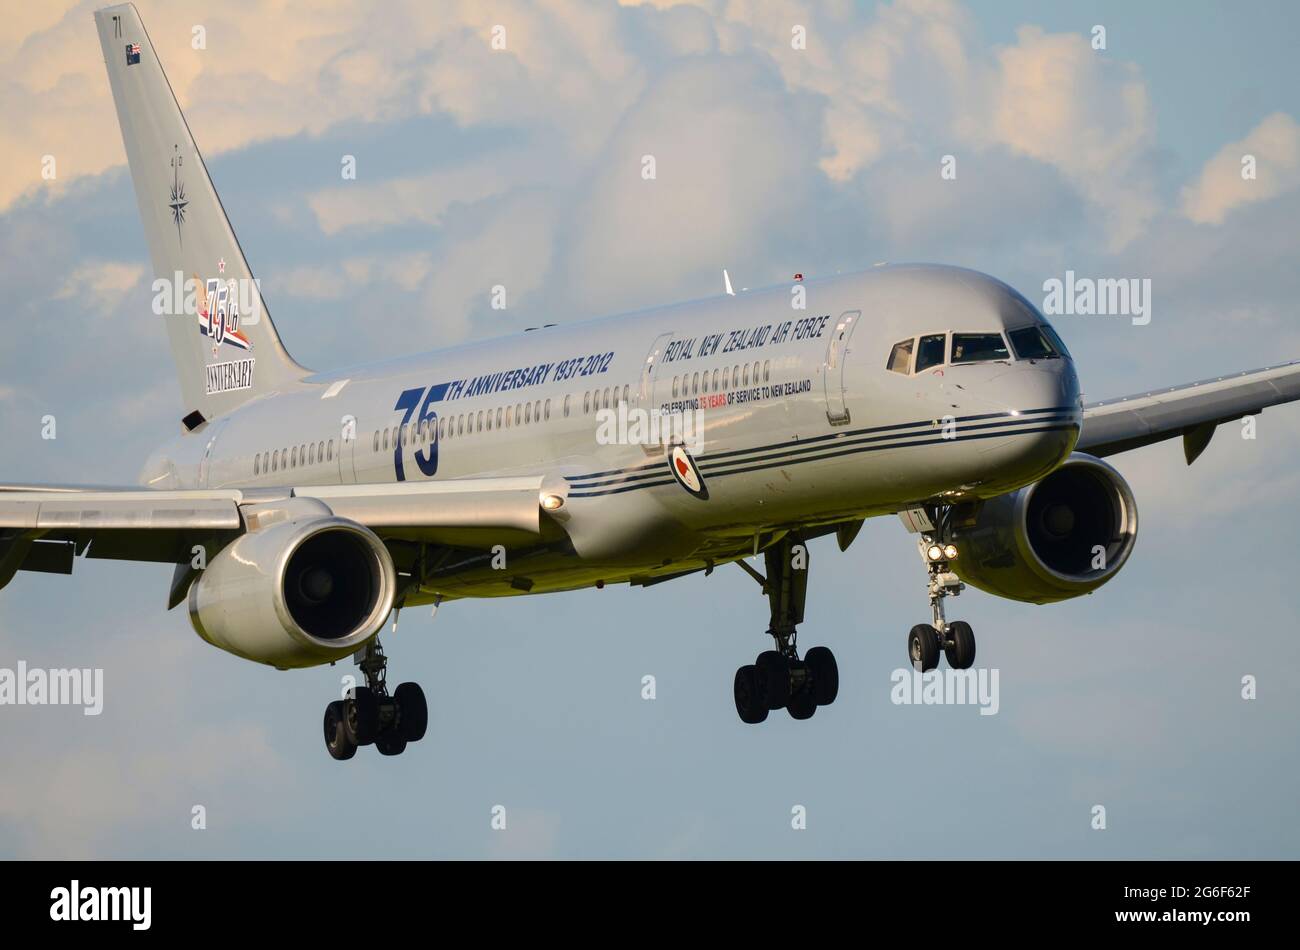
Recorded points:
(974, 347)
(900, 360)
(1031, 343)
(930, 352)
(1056, 340)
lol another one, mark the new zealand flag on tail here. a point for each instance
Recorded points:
(132, 53)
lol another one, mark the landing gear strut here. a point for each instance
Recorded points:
(956, 639)
(778, 679)
(371, 716)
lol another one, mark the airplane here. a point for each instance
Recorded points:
(300, 509)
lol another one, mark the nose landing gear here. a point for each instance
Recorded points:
(371, 716)
(779, 679)
(956, 639)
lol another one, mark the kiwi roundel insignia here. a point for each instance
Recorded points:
(687, 472)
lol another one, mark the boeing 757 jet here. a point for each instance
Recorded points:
(300, 508)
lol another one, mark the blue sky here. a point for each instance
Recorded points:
(521, 167)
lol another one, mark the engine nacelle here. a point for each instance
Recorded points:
(296, 593)
(1040, 544)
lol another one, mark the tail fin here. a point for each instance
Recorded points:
(226, 349)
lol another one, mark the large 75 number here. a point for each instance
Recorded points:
(427, 459)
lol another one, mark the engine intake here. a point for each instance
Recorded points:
(297, 593)
(1058, 538)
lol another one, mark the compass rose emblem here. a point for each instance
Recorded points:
(178, 200)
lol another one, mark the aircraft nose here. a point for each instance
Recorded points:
(1026, 415)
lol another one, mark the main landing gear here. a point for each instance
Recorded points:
(370, 715)
(778, 679)
(956, 639)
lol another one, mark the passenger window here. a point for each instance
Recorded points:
(626, 390)
(674, 387)
(293, 457)
(900, 358)
(275, 461)
(974, 347)
(715, 380)
(767, 371)
(330, 450)
(311, 454)
(695, 385)
(546, 407)
(726, 378)
(566, 405)
(257, 461)
(746, 377)
(929, 351)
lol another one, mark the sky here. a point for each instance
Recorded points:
(522, 167)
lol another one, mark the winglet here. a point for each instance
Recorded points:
(726, 283)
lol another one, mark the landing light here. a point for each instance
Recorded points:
(950, 552)
(935, 553)
(552, 502)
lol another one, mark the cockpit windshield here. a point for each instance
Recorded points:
(918, 354)
(975, 347)
(1033, 343)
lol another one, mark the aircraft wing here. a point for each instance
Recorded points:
(1192, 411)
(42, 529)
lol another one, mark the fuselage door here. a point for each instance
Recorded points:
(649, 369)
(347, 452)
(837, 351)
(205, 463)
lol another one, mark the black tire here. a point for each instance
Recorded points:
(802, 705)
(361, 715)
(751, 695)
(337, 741)
(960, 649)
(774, 677)
(923, 647)
(412, 712)
(825, 674)
(390, 744)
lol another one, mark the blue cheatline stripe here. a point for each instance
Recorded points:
(810, 446)
(831, 437)
(826, 452)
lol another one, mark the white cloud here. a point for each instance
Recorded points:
(108, 279)
(1221, 187)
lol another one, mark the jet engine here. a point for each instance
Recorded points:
(1060, 537)
(295, 593)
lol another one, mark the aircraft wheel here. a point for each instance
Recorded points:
(802, 705)
(337, 740)
(774, 677)
(361, 715)
(923, 647)
(412, 711)
(825, 674)
(960, 648)
(390, 744)
(751, 695)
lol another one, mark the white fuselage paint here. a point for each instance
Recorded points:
(827, 434)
